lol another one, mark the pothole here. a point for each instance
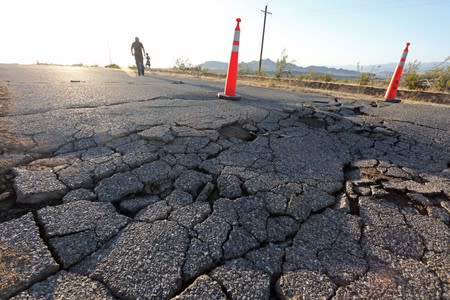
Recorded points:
(213, 196)
(122, 211)
(313, 122)
(357, 111)
(236, 131)
(353, 206)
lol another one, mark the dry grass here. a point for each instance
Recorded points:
(289, 85)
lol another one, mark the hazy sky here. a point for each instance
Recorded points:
(319, 32)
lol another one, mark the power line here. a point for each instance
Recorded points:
(262, 42)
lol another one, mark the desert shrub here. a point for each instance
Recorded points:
(182, 64)
(262, 73)
(411, 77)
(327, 77)
(112, 66)
(310, 75)
(440, 77)
(244, 69)
(364, 78)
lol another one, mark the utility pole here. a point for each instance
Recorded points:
(262, 42)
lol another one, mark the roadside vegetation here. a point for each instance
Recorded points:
(183, 65)
(112, 66)
(437, 78)
(434, 80)
(281, 66)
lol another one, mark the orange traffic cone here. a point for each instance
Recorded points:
(230, 85)
(391, 91)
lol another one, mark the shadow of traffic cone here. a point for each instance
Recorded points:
(230, 85)
(391, 91)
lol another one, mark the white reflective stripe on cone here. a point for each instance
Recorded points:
(237, 35)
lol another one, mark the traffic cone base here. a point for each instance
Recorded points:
(226, 97)
(393, 100)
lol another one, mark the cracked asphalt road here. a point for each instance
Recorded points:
(116, 187)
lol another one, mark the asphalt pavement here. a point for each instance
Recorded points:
(114, 186)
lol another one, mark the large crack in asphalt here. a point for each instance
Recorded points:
(373, 180)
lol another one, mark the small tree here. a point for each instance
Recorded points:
(182, 64)
(281, 64)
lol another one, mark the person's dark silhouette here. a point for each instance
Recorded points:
(137, 50)
(147, 58)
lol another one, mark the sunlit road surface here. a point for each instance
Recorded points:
(117, 186)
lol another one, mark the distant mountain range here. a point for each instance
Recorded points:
(347, 71)
(390, 67)
(383, 70)
(270, 67)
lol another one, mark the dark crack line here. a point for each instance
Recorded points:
(97, 106)
(441, 282)
(70, 233)
(380, 118)
(44, 238)
(422, 239)
(51, 250)
(416, 124)
(108, 288)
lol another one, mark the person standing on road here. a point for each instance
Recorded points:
(138, 51)
(147, 58)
